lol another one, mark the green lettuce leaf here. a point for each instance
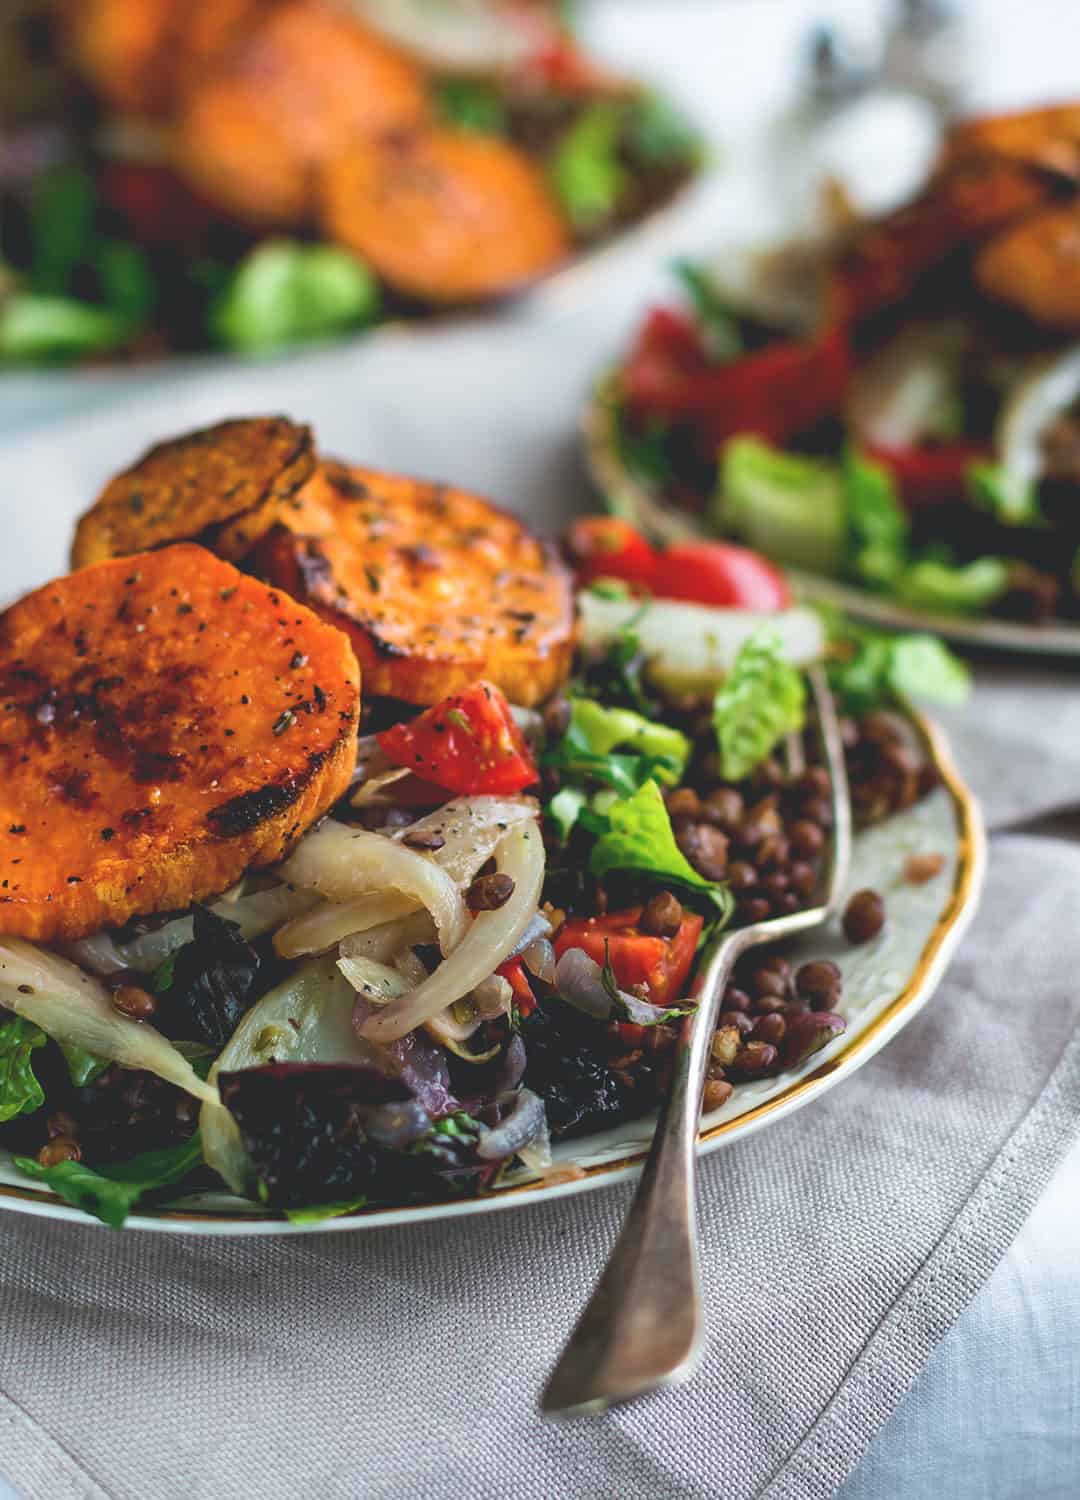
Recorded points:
(763, 699)
(565, 808)
(639, 838)
(786, 505)
(320, 1211)
(968, 588)
(35, 326)
(471, 104)
(878, 526)
(586, 171)
(601, 730)
(660, 134)
(871, 669)
(20, 1092)
(1011, 501)
(83, 1067)
(286, 292)
(110, 1193)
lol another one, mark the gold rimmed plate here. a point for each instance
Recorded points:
(886, 983)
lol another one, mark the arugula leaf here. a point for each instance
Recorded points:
(717, 320)
(20, 1092)
(645, 451)
(471, 104)
(618, 676)
(878, 527)
(965, 589)
(286, 292)
(83, 1067)
(320, 1211)
(588, 177)
(111, 1192)
(762, 700)
(127, 282)
(640, 838)
(1011, 501)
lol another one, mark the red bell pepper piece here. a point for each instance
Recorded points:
(930, 475)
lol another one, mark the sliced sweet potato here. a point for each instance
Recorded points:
(225, 485)
(444, 215)
(140, 54)
(165, 723)
(435, 586)
(1048, 138)
(1036, 267)
(303, 83)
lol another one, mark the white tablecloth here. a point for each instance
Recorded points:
(996, 1413)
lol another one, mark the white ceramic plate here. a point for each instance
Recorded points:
(886, 982)
(632, 497)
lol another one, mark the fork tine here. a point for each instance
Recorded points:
(833, 747)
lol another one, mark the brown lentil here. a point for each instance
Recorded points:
(58, 1150)
(755, 1058)
(705, 847)
(426, 839)
(489, 892)
(61, 1124)
(919, 868)
(134, 1002)
(717, 1092)
(769, 1028)
(662, 915)
(820, 982)
(864, 916)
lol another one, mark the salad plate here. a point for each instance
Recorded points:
(890, 411)
(631, 495)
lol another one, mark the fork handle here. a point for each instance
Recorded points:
(644, 1324)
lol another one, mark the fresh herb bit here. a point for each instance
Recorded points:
(471, 104)
(111, 1192)
(161, 980)
(455, 716)
(717, 321)
(617, 676)
(762, 700)
(127, 282)
(610, 588)
(20, 1092)
(1012, 501)
(284, 721)
(639, 838)
(83, 1067)
(789, 507)
(285, 292)
(587, 174)
(660, 134)
(318, 1212)
(967, 588)
(878, 527)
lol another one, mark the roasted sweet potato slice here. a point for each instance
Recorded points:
(1048, 138)
(165, 723)
(302, 84)
(225, 485)
(435, 586)
(1036, 267)
(140, 54)
(443, 215)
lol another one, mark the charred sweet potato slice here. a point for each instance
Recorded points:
(435, 586)
(1048, 138)
(165, 723)
(302, 84)
(443, 215)
(1036, 267)
(225, 484)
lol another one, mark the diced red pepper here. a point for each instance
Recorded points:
(930, 475)
(661, 964)
(607, 547)
(774, 392)
(720, 574)
(468, 743)
(524, 999)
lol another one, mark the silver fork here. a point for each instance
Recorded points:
(644, 1324)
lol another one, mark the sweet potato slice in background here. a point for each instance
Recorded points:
(1036, 267)
(302, 84)
(436, 587)
(1048, 138)
(140, 54)
(226, 484)
(443, 215)
(165, 723)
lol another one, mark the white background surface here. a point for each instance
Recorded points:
(996, 1414)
